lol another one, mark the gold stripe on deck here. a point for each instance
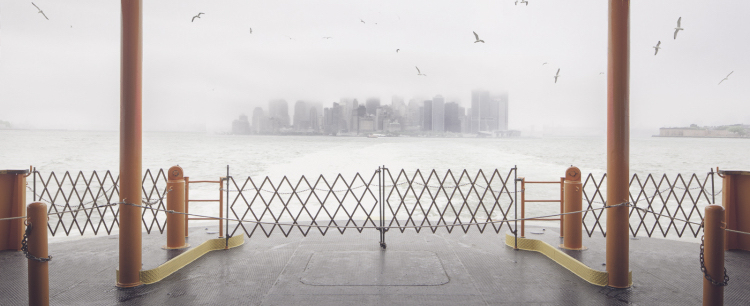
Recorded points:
(590, 275)
(177, 263)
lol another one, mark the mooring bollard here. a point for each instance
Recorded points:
(176, 202)
(35, 247)
(712, 256)
(573, 223)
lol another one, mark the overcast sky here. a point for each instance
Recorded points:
(64, 72)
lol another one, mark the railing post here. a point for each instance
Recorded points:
(38, 270)
(573, 223)
(523, 207)
(176, 202)
(187, 203)
(562, 207)
(713, 255)
(221, 208)
(12, 204)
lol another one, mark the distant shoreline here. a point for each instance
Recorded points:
(729, 137)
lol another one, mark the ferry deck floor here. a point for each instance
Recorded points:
(351, 269)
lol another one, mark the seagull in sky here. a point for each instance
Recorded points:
(600, 73)
(397, 50)
(726, 78)
(557, 75)
(477, 37)
(361, 20)
(419, 72)
(678, 28)
(251, 30)
(196, 16)
(327, 37)
(657, 47)
(524, 1)
(40, 10)
(545, 63)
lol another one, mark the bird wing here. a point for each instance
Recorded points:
(475, 35)
(657, 50)
(678, 21)
(419, 72)
(730, 74)
(45, 16)
(558, 72)
(658, 43)
(194, 18)
(32, 3)
(397, 50)
(675, 33)
(721, 81)
(251, 30)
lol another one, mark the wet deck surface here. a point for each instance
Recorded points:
(351, 269)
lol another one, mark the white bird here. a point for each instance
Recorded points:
(678, 28)
(196, 16)
(524, 1)
(557, 75)
(657, 47)
(361, 20)
(545, 63)
(600, 73)
(726, 78)
(516, 2)
(477, 38)
(327, 37)
(40, 10)
(419, 72)
(397, 50)
(251, 30)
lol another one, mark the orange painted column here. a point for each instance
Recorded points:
(176, 202)
(38, 271)
(187, 203)
(713, 255)
(130, 144)
(736, 202)
(618, 143)
(12, 204)
(573, 223)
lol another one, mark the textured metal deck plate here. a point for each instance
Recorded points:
(374, 268)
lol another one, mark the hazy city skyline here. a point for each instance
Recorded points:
(64, 72)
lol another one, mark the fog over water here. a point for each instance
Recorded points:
(63, 73)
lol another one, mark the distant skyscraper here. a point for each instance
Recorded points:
(453, 117)
(258, 121)
(372, 105)
(398, 106)
(314, 123)
(480, 104)
(241, 126)
(427, 116)
(278, 113)
(438, 114)
(301, 116)
(502, 101)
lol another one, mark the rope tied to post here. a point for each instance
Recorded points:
(705, 272)
(25, 245)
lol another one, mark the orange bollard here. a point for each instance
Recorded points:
(38, 269)
(176, 202)
(713, 255)
(573, 223)
(12, 204)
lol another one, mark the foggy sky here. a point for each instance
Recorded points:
(64, 73)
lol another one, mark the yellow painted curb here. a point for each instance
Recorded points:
(177, 263)
(592, 276)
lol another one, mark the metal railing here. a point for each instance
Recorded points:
(681, 197)
(383, 200)
(524, 201)
(220, 201)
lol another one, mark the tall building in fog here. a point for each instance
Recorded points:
(502, 119)
(241, 126)
(259, 119)
(301, 116)
(488, 112)
(372, 104)
(453, 114)
(438, 114)
(427, 115)
(278, 113)
(313, 119)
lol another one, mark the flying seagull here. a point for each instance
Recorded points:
(327, 37)
(557, 75)
(678, 28)
(545, 63)
(361, 20)
(600, 73)
(397, 50)
(419, 72)
(196, 16)
(477, 37)
(40, 10)
(726, 78)
(657, 47)
(524, 1)
(251, 30)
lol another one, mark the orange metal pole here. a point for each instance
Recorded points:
(618, 142)
(38, 272)
(713, 255)
(176, 202)
(221, 210)
(573, 198)
(187, 203)
(562, 207)
(523, 207)
(12, 204)
(130, 144)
